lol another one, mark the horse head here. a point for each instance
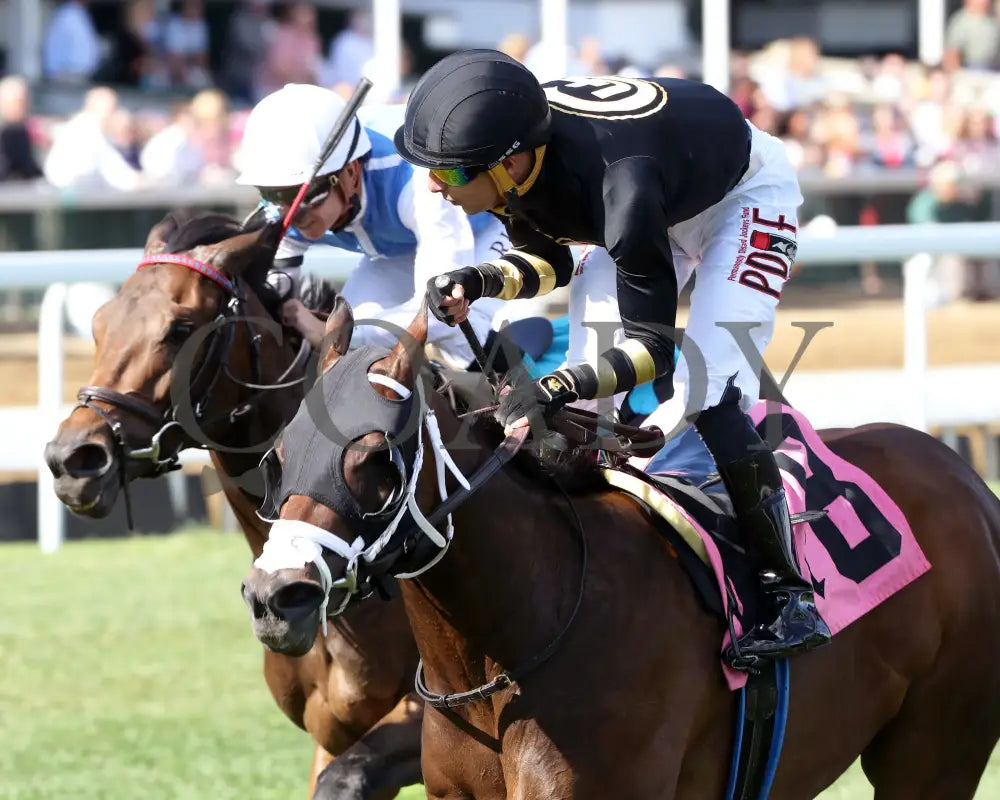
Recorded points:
(168, 346)
(343, 500)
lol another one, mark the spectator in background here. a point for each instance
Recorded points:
(82, 155)
(350, 50)
(185, 43)
(133, 59)
(172, 157)
(889, 81)
(795, 131)
(17, 159)
(801, 83)
(888, 144)
(515, 45)
(837, 131)
(927, 117)
(746, 93)
(294, 53)
(210, 113)
(767, 119)
(71, 51)
(123, 133)
(590, 61)
(972, 38)
(944, 200)
(247, 39)
(976, 149)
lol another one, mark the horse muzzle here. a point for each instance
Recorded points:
(285, 609)
(85, 472)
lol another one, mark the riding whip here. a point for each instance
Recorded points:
(339, 129)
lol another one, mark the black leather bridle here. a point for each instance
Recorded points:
(214, 365)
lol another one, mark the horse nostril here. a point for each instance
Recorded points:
(53, 458)
(296, 600)
(87, 461)
(258, 609)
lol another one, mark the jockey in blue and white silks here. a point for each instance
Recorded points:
(368, 200)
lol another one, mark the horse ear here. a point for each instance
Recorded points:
(156, 242)
(406, 358)
(339, 329)
(237, 253)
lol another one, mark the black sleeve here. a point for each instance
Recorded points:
(534, 266)
(635, 235)
(525, 238)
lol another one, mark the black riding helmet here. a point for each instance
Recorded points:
(473, 109)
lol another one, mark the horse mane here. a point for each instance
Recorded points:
(575, 470)
(195, 230)
(191, 231)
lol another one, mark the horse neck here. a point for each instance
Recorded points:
(507, 584)
(244, 507)
(271, 409)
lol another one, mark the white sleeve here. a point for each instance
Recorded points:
(292, 246)
(444, 235)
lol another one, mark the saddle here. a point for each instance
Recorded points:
(693, 513)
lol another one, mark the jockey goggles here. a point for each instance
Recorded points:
(315, 195)
(457, 176)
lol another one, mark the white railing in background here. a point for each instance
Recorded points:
(30, 197)
(914, 245)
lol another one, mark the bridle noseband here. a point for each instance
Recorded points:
(214, 364)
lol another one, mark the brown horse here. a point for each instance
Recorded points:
(246, 384)
(632, 702)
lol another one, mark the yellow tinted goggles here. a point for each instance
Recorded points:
(456, 176)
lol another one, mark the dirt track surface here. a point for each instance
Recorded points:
(864, 334)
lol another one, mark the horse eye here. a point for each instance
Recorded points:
(178, 332)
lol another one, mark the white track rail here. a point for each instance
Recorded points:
(913, 245)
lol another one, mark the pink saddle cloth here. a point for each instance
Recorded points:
(857, 554)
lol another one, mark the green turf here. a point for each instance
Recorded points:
(129, 671)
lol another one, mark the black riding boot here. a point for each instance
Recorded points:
(750, 475)
(754, 485)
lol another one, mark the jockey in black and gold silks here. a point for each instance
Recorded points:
(668, 176)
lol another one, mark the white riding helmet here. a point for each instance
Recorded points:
(285, 133)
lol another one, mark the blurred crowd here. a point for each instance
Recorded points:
(162, 51)
(838, 117)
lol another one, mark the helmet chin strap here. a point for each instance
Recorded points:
(353, 207)
(505, 183)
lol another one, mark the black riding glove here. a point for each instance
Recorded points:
(482, 281)
(536, 400)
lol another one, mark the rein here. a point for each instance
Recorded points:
(214, 364)
(509, 677)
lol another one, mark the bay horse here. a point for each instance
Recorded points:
(347, 689)
(626, 697)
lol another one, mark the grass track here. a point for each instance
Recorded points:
(128, 670)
